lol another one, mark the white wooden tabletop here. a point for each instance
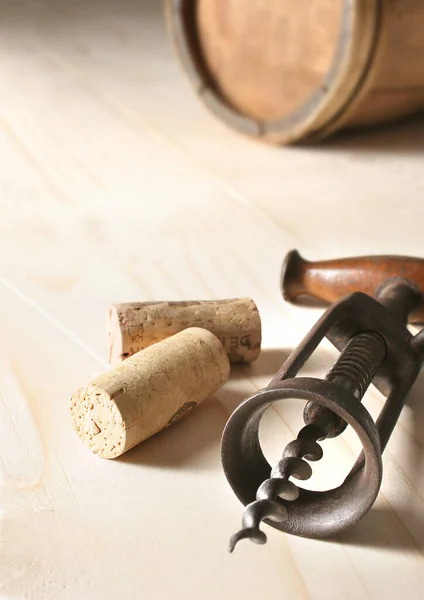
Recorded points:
(117, 185)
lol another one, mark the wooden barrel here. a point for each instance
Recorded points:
(287, 71)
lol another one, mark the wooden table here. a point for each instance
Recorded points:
(117, 185)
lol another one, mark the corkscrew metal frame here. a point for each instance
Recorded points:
(376, 346)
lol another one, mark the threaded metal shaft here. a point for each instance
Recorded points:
(358, 363)
(353, 371)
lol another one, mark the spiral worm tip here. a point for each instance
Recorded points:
(252, 533)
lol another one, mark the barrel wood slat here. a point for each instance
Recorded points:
(290, 72)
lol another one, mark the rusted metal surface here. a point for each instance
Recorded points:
(376, 348)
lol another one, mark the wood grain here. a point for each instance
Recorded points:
(116, 184)
(267, 58)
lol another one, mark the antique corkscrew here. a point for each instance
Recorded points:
(374, 299)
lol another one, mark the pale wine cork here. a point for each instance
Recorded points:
(133, 326)
(149, 391)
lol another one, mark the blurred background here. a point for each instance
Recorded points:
(112, 170)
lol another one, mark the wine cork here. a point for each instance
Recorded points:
(149, 391)
(133, 326)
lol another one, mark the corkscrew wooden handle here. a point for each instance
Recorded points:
(331, 280)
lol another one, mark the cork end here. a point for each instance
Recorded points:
(113, 337)
(97, 422)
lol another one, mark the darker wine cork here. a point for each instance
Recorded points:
(134, 326)
(149, 391)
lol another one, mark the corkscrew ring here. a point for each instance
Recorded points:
(376, 347)
(305, 513)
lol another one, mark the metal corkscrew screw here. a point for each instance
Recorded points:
(354, 370)
(376, 347)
